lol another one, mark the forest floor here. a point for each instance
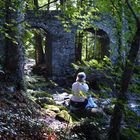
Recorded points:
(44, 109)
(51, 97)
(54, 99)
(54, 102)
(36, 113)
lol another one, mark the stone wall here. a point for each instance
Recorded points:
(61, 51)
(61, 44)
(107, 24)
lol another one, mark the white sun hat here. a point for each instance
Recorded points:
(81, 76)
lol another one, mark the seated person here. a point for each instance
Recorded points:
(79, 88)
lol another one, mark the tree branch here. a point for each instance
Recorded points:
(133, 13)
(47, 4)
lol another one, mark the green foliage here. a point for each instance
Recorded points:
(29, 44)
(90, 46)
(135, 81)
(110, 73)
(83, 14)
(87, 66)
(132, 120)
(30, 5)
(130, 133)
(80, 14)
(91, 128)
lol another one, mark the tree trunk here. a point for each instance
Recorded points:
(14, 60)
(115, 123)
(39, 55)
(48, 6)
(48, 54)
(62, 2)
(86, 47)
(36, 5)
(79, 48)
(104, 46)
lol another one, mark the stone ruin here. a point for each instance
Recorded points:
(60, 43)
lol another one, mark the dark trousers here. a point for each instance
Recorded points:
(79, 105)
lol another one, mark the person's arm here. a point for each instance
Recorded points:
(86, 87)
(74, 87)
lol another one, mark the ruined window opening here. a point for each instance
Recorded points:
(91, 44)
(38, 47)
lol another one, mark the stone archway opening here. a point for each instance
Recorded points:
(38, 48)
(92, 44)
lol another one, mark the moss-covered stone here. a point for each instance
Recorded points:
(64, 116)
(62, 108)
(48, 112)
(52, 107)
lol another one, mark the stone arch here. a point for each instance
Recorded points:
(43, 60)
(102, 38)
(60, 50)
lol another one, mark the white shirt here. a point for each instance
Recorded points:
(76, 88)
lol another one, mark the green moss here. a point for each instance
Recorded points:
(65, 116)
(52, 107)
(39, 93)
(62, 108)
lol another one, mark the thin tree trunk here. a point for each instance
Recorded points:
(87, 47)
(48, 54)
(115, 124)
(62, 2)
(79, 48)
(39, 55)
(36, 5)
(48, 6)
(104, 41)
(76, 42)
